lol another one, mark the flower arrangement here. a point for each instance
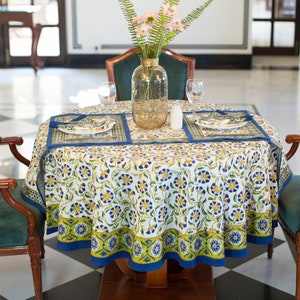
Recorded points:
(152, 31)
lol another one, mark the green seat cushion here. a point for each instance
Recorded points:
(13, 225)
(289, 205)
(176, 72)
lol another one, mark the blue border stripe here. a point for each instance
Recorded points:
(259, 240)
(73, 246)
(52, 230)
(154, 266)
(236, 253)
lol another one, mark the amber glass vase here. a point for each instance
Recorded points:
(149, 94)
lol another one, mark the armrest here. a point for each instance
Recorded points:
(293, 139)
(8, 183)
(13, 142)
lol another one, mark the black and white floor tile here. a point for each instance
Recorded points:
(27, 100)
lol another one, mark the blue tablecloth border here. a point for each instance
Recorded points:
(170, 255)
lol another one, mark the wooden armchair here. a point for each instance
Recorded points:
(179, 68)
(21, 224)
(289, 209)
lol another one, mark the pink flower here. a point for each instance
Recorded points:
(142, 30)
(177, 25)
(170, 10)
(149, 17)
(136, 19)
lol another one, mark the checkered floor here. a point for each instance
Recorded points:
(26, 101)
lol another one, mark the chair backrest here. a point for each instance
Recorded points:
(21, 224)
(179, 68)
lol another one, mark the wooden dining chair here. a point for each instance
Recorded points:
(179, 68)
(289, 209)
(21, 224)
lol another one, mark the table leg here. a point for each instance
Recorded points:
(118, 285)
(123, 264)
(158, 278)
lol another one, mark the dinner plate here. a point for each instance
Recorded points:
(220, 124)
(86, 129)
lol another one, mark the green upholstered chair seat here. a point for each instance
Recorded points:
(13, 225)
(176, 72)
(289, 205)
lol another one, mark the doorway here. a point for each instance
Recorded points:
(15, 39)
(275, 27)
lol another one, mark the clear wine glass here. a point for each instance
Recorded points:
(194, 91)
(107, 94)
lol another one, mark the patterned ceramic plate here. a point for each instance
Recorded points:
(86, 129)
(226, 123)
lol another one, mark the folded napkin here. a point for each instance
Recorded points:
(86, 98)
(73, 120)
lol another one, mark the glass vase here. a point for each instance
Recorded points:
(149, 94)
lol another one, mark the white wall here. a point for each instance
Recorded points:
(98, 26)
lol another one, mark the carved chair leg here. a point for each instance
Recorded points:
(42, 249)
(271, 246)
(35, 261)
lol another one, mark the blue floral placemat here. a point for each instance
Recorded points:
(92, 129)
(222, 125)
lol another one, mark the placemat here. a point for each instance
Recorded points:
(60, 127)
(222, 125)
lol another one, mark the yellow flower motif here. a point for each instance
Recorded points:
(241, 162)
(243, 197)
(117, 160)
(212, 231)
(104, 173)
(181, 182)
(50, 180)
(145, 205)
(65, 170)
(151, 228)
(32, 182)
(273, 177)
(142, 186)
(181, 225)
(106, 196)
(217, 189)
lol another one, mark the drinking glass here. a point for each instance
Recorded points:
(194, 91)
(107, 94)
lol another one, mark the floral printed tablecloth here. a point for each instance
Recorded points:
(150, 200)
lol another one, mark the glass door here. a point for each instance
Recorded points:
(275, 27)
(17, 38)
